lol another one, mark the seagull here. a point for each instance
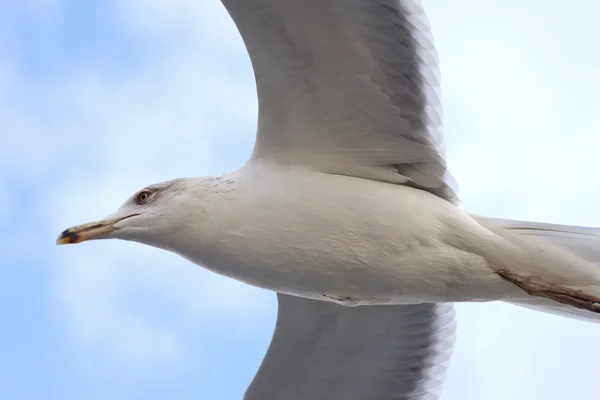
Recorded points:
(346, 209)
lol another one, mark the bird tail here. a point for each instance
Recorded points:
(582, 242)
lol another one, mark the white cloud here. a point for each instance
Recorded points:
(181, 21)
(526, 98)
(111, 298)
(91, 288)
(87, 139)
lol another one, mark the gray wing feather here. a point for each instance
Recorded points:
(322, 350)
(348, 87)
(584, 242)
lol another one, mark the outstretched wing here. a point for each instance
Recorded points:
(322, 350)
(347, 87)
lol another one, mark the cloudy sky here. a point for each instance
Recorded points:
(100, 98)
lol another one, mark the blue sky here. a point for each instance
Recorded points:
(100, 98)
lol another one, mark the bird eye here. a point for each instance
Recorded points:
(142, 197)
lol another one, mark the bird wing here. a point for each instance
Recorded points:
(322, 350)
(347, 87)
(583, 242)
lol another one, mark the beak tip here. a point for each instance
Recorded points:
(67, 237)
(92, 230)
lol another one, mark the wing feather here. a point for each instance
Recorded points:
(348, 87)
(583, 242)
(322, 350)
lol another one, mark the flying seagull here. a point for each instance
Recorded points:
(346, 210)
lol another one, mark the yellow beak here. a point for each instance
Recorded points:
(80, 233)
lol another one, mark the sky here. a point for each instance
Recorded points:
(100, 98)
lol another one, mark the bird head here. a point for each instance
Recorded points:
(150, 216)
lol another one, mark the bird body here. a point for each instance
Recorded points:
(367, 242)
